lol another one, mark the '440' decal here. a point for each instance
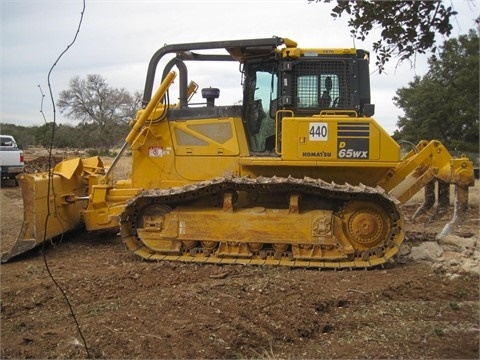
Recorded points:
(318, 131)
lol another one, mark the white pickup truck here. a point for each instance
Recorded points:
(11, 158)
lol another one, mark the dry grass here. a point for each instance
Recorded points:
(123, 167)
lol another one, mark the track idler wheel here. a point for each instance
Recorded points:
(209, 245)
(365, 224)
(255, 246)
(280, 250)
(189, 244)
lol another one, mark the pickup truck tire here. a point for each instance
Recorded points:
(10, 177)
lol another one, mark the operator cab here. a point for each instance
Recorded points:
(333, 81)
(279, 81)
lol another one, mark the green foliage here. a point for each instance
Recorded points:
(444, 103)
(454, 305)
(21, 135)
(408, 27)
(82, 136)
(461, 293)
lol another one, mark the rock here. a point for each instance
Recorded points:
(404, 250)
(428, 250)
(439, 268)
(452, 276)
(471, 266)
(467, 243)
(453, 258)
(476, 255)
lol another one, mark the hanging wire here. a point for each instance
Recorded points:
(50, 176)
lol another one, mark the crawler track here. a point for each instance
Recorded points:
(320, 224)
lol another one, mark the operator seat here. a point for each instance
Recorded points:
(326, 99)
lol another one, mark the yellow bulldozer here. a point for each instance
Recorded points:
(298, 173)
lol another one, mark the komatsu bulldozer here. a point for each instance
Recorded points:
(297, 173)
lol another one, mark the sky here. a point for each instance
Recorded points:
(118, 37)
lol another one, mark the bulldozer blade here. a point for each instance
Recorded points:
(20, 247)
(460, 211)
(52, 205)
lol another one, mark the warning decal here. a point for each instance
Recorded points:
(156, 151)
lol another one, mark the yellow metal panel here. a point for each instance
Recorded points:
(254, 224)
(93, 165)
(336, 138)
(105, 206)
(296, 52)
(211, 166)
(275, 161)
(153, 157)
(50, 207)
(68, 168)
(205, 137)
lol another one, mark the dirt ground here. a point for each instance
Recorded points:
(121, 307)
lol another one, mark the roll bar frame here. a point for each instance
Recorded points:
(184, 52)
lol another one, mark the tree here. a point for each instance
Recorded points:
(93, 101)
(408, 27)
(444, 103)
(20, 133)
